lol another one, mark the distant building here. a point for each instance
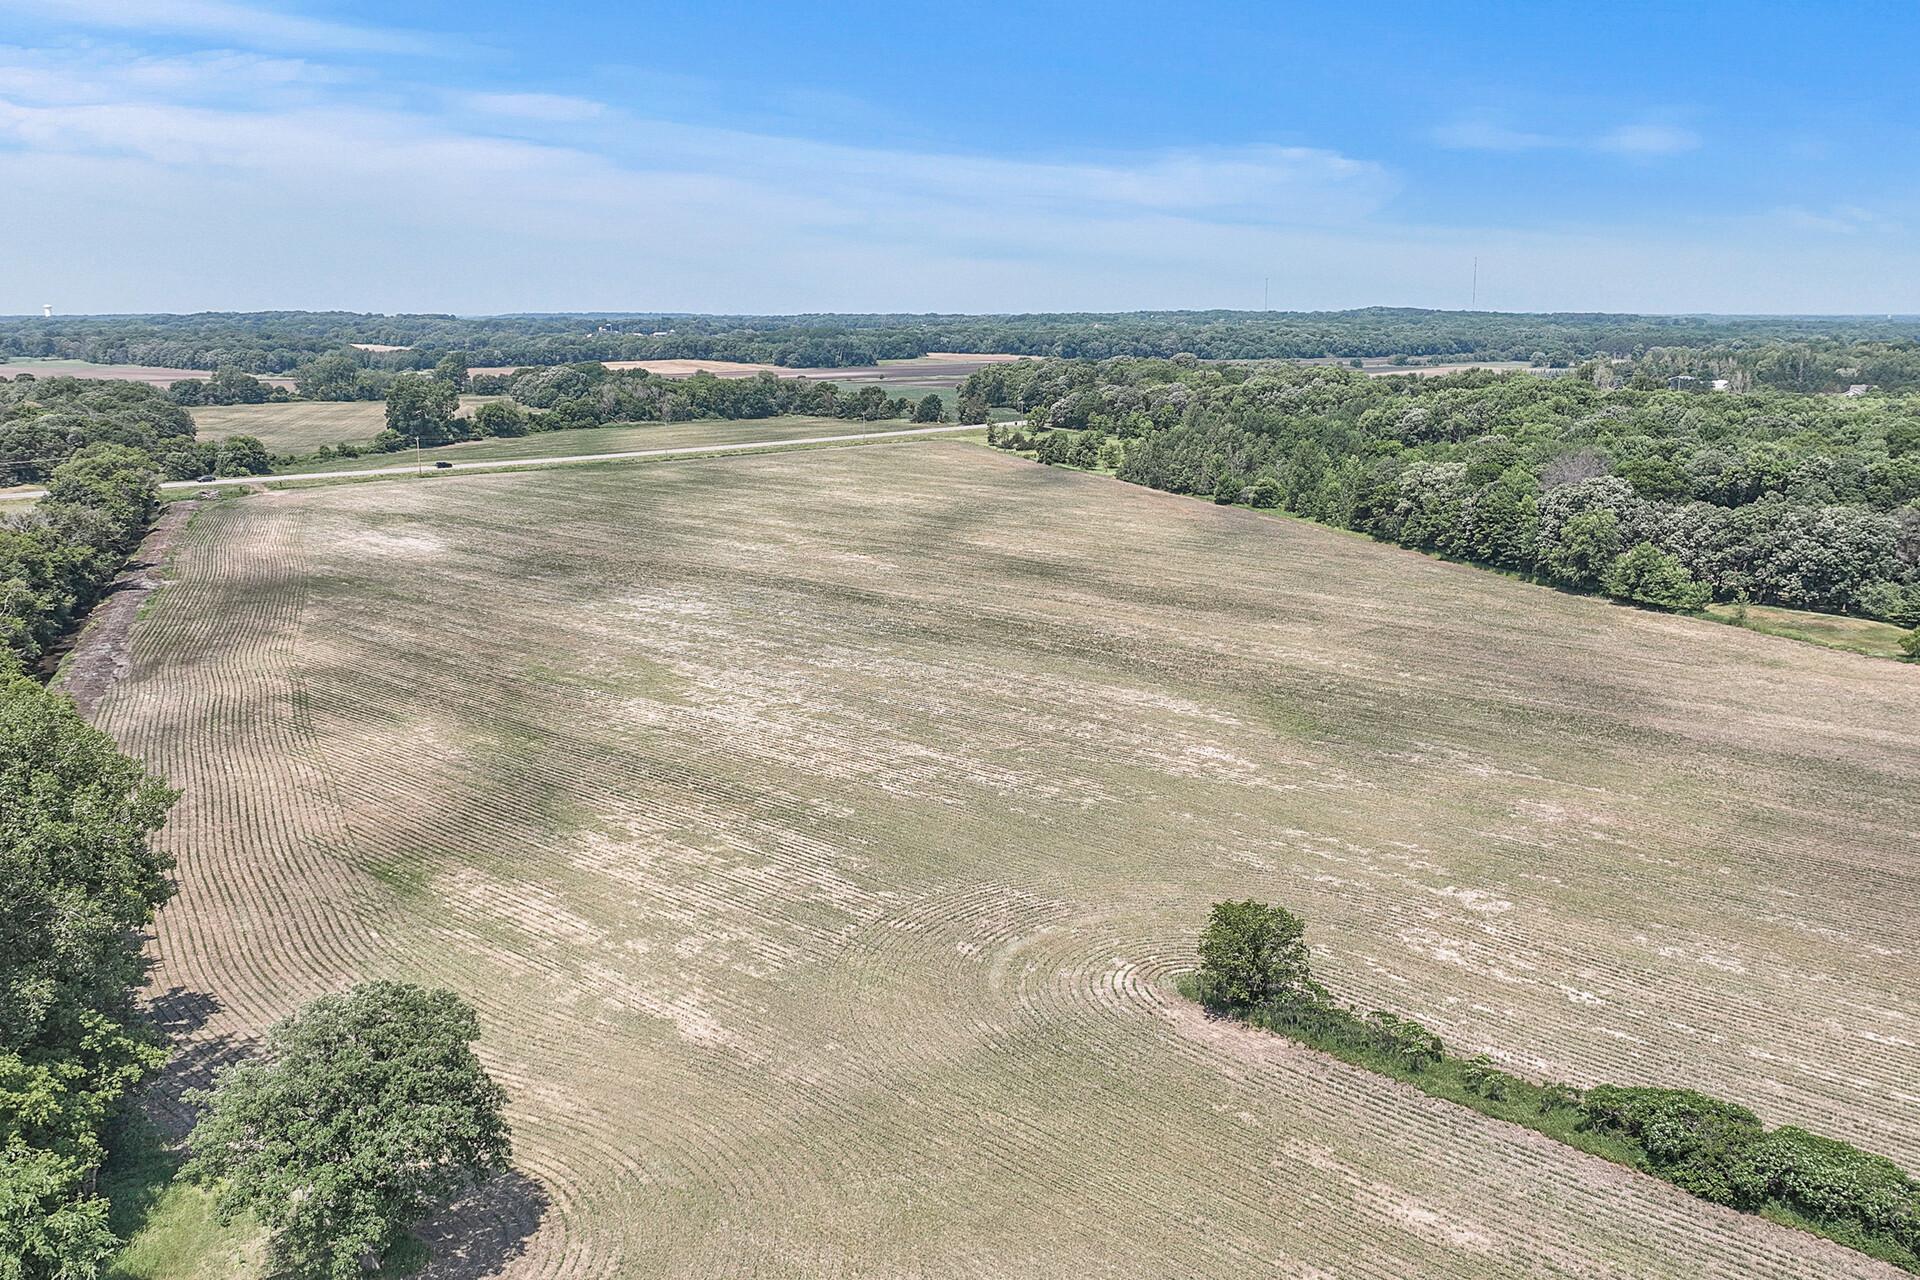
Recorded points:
(1858, 389)
(1721, 384)
(1684, 382)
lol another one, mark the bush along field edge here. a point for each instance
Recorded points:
(1254, 967)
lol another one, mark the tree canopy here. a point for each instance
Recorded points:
(78, 877)
(367, 1111)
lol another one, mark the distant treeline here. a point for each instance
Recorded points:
(1662, 497)
(45, 421)
(281, 341)
(1254, 965)
(425, 408)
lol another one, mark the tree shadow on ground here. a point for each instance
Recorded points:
(480, 1234)
(178, 1015)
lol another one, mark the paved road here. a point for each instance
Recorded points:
(501, 464)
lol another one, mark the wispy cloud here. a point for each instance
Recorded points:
(1484, 135)
(272, 178)
(249, 26)
(548, 108)
(1646, 139)
(1841, 220)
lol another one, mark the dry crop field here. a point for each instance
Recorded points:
(937, 370)
(819, 834)
(41, 367)
(300, 426)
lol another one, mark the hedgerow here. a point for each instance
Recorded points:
(1254, 966)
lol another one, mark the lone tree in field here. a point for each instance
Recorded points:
(930, 409)
(367, 1112)
(1251, 954)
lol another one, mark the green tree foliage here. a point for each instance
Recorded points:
(930, 409)
(1794, 500)
(340, 377)
(78, 877)
(45, 422)
(1647, 575)
(499, 418)
(56, 560)
(422, 409)
(242, 456)
(1252, 954)
(1910, 646)
(1903, 437)
(367, 1111)
(452, 369)
(1899, 605)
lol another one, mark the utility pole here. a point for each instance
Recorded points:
(1475, 304)
(1264, 281)
(416, 457)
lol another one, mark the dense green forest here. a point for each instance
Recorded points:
(1663, 497)
(58, 557)
(282, 341)
(44, 422)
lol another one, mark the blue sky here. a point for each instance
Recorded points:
(480, 157)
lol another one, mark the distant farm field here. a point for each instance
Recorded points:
(155, 374)
(301, 426)
(819, 835)
(618, 439)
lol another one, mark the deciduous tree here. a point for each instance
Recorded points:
(367, 1111)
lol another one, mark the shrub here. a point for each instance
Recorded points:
(1480, 1075)
(1647, 575)
(1692, 1140)
(1899, 605)
(1910, 646)
(1405, 1039)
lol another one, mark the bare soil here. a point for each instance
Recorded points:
(102, 652)
(819, 836)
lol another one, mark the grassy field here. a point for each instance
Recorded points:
(301, 426)
(1853, 635)
(639, 435)
(820, 834)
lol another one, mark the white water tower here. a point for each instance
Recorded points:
(46, 311)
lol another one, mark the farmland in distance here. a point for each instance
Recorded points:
(818, 835)
(300, 426)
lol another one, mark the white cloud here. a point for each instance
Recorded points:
(235, 180)
(250, 26)
(48, 77)
(1648, 140)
